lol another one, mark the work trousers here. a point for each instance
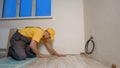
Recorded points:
(19, 47)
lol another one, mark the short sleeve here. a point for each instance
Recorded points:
(37, 35)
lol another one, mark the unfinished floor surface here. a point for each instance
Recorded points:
(69, 61)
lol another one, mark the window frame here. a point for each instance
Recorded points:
(30, 17)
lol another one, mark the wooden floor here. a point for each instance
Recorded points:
(69, 61)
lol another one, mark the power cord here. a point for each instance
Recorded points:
(87, 45)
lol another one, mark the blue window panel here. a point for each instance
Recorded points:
(9, 9)
(25, 8)
(43, 8)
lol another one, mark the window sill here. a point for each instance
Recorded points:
(26, 18)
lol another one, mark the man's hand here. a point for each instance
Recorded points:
(52, 50)
(60, 55)
(43, 56)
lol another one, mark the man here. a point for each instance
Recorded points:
(25, 41)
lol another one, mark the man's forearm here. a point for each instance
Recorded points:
(33, 46)
(51, 49)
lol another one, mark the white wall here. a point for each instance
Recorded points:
(67, 19)
(102, 21)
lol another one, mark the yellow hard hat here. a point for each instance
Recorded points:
(52, 33)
